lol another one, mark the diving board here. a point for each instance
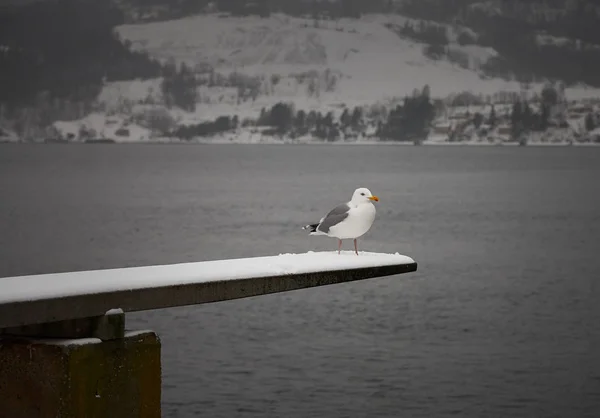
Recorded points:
(43, 298)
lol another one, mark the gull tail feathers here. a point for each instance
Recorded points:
(312, 229)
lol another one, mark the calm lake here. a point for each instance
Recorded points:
(501, 320)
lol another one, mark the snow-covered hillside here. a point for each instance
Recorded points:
(374, 61)
(371, 63)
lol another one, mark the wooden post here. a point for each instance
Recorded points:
(87, 367)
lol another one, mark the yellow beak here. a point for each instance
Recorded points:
(375, 198)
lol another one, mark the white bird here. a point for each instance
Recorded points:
(348, 221)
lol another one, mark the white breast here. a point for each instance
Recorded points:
(359, 221)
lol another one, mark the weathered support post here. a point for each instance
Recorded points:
(64, 351)
(85, 367)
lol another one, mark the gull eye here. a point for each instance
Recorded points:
(362, 194)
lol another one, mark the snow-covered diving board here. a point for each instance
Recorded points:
(37, 299)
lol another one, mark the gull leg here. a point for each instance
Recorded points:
(356, 246)
(339, 245)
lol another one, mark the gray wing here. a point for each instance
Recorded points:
(337, 215)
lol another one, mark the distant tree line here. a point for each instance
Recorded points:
(522, 119)
(333, 9)
(580, 22)
(521, 54)
(219, 125)
(152, 10)
(513, 34)
(284, 120)
(433, 35)
(435, 10)
(136, 11)
(407, 122)
(279, 120)
(429, 33)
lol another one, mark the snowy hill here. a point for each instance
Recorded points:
(375, 63)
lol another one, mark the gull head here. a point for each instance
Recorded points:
(363, 195)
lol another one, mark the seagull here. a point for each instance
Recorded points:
(349, 220)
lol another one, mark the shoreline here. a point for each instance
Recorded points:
(321, 143)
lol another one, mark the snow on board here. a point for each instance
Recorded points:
(56, 285)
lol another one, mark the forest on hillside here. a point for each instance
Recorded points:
(513, 30)
(171, 9)
(63, 50)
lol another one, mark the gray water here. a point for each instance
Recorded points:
(501, 320)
